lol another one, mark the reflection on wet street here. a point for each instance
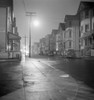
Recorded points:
(80, 69)
(10, 77)
(46, 79)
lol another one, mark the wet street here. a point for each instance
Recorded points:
(44, 78)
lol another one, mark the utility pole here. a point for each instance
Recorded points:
(30, 14)
(25, 45)
(25, 42)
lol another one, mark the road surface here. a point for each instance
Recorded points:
(42, 79)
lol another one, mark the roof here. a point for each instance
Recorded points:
(70, 17)
(62, 25)
(5, 3)
(54, 31)
(85, 5)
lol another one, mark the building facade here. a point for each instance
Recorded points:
(71, 36)
(53, 42)
(47, 44)
(86, 17)
(9, 37)
(59, 39)
(42, 46)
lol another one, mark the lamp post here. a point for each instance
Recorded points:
(30, 14)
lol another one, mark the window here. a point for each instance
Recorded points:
(82, 15)
(81, 29)
(70, 34)
(69, 44)
(93, 12)
(93, 26)
(64, 45)
(85, 42)
(86, 14)
(86, 27)
(70, 23)
(64, 35)
(90, 40)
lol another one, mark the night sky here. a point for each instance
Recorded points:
(49, 12)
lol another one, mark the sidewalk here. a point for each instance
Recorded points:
(9, 60)
(42, 85)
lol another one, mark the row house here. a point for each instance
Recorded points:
(53, 41)
(47, 43)
(9, 37)
(59, 39)
(74, 37)
(71, 35)
(42, 46)
(86, 18)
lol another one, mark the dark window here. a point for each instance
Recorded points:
(81, 29)
(86, 14)
(90, 40)
(85, 42)
(64, 45)
(64, 35)
(70, 34)
(69, 44)
(70, 23)
(82, 15)
(86, 27)
(93, 12)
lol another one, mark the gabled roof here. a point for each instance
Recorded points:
(62, 25)
(85, 5)
(6, 3)
(70, 17)
(54, 31)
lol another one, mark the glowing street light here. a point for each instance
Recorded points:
(36, 23)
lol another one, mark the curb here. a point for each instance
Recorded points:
(9, 60)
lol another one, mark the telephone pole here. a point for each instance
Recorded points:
(25, 45)
(30, 14)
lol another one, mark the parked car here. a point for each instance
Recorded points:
(71, 53)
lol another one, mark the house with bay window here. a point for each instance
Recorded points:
(59, 39)
(71, 36)
(86, 18)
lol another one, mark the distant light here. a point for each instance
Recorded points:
(36, 23)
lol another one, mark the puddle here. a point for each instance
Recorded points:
(65, 75)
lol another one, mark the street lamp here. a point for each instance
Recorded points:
(30, 14)
(35, 23)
